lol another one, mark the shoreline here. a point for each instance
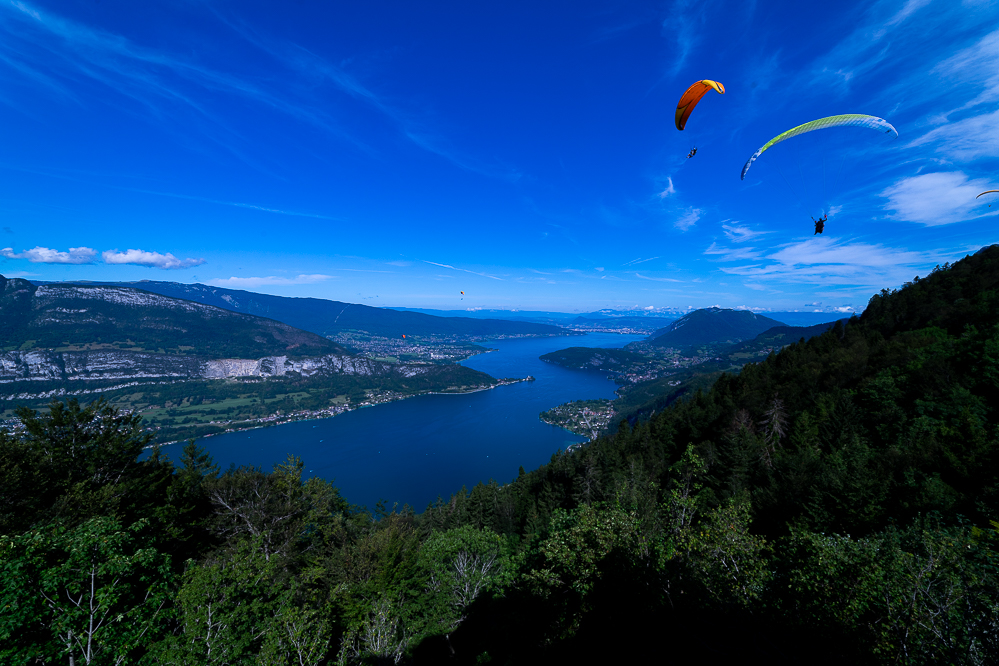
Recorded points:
(256, 426)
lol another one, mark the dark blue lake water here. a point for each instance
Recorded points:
(413, 450)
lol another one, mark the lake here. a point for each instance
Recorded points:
(412, 450)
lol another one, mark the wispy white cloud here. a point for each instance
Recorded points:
(683, 24)
(44, 255)
(173, 195)
(867, 48)
(960, 81)
(234, 204)
(738, 233)
(656, 279)
(732, 254)
(149, 259)
(313, 67)
(669, 189)
(464, 270)
(161, 81)
(976, 66)
(935, 199)
(635, 262)
(825, 261)
(961, 127)
(967, 139)
(688, 219)
(907, 10)
(270, 280)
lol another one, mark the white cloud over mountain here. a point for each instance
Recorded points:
(248, 282)
(44, 255)
(149, 259)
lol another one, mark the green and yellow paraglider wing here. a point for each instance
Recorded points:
(986, 192)
(847, 120)
(690, 99)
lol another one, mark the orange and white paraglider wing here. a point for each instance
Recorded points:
(690, 99)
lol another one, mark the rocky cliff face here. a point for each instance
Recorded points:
(49, 295)
(19, 366)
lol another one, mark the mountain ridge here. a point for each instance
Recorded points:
(326, 317)
(711, 326)
(70, 314)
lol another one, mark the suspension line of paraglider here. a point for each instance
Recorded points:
(794, 193)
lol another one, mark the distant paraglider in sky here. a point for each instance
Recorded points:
(846, 120)
(689, 100)
(986, 192)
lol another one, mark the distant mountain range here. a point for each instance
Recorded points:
(631, 324)
(57, 316)
(791, 318)
(326, 318)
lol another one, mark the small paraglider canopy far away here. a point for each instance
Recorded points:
(690, 99)
(987, 192)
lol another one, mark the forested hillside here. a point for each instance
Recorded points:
(834, 503)
(710, 326)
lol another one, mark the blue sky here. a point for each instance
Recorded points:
(394, 153)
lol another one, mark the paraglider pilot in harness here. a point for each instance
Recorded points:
(693, 151)
(820, 223)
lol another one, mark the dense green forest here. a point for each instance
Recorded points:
(590, 358)
(833, 503)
